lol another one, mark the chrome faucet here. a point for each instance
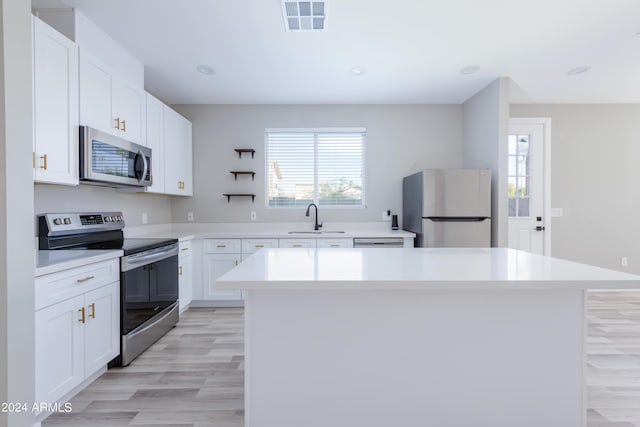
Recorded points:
(316, 226)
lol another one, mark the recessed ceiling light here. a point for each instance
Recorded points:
(305, 15)
(205, 69)
(469, 69)
(578, 70)
(358, 71)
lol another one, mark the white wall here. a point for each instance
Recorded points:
(485, 132)
(16, 212)
(595, 179)
(60, 198)
(400, 140)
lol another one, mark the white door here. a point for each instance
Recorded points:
(185, 291)
(214, 266)
(528, 175)
(155, 141)
(129, 107)
(102, 327)
(96, 87)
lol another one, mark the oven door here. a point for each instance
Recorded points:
(106, 158)
(149, 285)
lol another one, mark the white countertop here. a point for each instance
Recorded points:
(276, 234)
(417, 268)
(53, 261)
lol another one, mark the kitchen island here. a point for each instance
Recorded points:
(415, 337)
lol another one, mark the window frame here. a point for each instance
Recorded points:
(315, 132)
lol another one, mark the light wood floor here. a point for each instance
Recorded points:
(193, 376)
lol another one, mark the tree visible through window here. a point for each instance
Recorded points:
(315, 166)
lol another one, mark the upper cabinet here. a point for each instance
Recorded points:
(178, 154)
(55, 100)
(155, 141)
(110, 103)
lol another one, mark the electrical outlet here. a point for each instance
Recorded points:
(189, 216)
(386, 215)
(624, 262)
(144, 218)
(253, 216)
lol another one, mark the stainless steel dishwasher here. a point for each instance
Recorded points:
(381, 242)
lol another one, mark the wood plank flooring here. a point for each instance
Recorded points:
(194, 375)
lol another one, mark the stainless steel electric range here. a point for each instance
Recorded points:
(148, 273)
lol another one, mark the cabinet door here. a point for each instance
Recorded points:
(214, 266)
(56, 115)
(96, 87)
(59, 349)
(155, 141)
(297, 243)
(102, 327)
(185, 281)
(177, 150)
(129, 110)
(334, 243)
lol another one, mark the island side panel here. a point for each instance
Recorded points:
(414, 358)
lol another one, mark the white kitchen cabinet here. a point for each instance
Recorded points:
(55, 101)
(214, 266)
(250, 246)
(77, 326)
(297, 243)
(102, 327)
(155, 141)
(185, 276)
(334, 243)
(110, 103)
(178, 163)
(59, 349)
(222, 246)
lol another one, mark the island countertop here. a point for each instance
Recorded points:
(417, 268)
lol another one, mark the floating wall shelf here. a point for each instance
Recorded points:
(229, 196)
(244, 150)
(236, 173)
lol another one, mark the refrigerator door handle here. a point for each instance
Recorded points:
(456, 218)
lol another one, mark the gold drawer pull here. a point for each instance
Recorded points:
(297, 246)
(93, 310)
(180, 271)
(259, 246)
(44, 161)
(236, 262)
(85, 279)
(184, 249)
(335, 246)
(81, 315)
(221, 246)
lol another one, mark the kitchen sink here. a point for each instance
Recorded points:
(316, 232)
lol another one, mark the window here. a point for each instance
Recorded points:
(320, 166)
(519, 175)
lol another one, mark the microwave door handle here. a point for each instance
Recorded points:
(140, 176)
(146, 166)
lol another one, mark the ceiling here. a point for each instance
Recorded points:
(412, 50)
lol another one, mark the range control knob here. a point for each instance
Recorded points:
(108, 218)
(57, 221)
(67, 220)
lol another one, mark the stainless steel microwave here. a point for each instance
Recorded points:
(107, 159)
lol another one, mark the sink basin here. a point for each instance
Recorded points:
(316, 232)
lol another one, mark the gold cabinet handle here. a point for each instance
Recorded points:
(236, 262)
(297, 246)
(221, 246)
(93, 310)
(335, 246)
(117, 123)
(180, 271)
(124, 126)
(85, 279)
(259, 246)
(34, 159)
(44, 162)
(184, 249)
(81, 315)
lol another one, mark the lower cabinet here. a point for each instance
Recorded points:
(214, 266)
(74, 338)
(185, 276)
(77, 326)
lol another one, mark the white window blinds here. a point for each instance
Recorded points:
(326, 168)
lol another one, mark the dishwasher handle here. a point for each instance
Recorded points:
(378, 242)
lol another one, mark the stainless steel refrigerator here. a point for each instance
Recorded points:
(448, 208)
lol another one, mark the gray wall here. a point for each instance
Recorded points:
(486, 126)
(400, 140)
(60, 198)
(16, 212)
(595, 179)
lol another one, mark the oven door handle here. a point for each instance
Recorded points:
(133, 261)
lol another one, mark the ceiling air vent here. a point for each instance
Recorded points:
(304, 15)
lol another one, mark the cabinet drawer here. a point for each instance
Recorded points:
(185, 249)
(56, 287)
(222, 246)
(297, 243)
(250, 246)
(334, 243)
